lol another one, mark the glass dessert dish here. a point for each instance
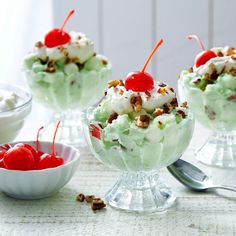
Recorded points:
(138, 128)
(66, 75)
(139, 133)
(15, 106)
(210, 90)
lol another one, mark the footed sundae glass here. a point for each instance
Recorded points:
(210, 90)
(139, 153)
(66, 75)
(139, 128)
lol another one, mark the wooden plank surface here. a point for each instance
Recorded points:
(193, 213)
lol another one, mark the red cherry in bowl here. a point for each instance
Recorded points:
(140, 81)
(19, 158)
(49, 161)
(204, 56)
(29, 147)
(57, 37)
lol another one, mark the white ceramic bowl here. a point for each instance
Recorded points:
(36, 184)
(11, 121)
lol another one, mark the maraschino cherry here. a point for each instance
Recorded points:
(58, 36)
(203, 56)
(19, 158)
(50, 160)
(95, 131)
(141, 81)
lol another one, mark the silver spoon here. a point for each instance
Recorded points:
(192, 177)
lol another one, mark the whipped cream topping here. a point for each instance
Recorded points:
(8, 100)
(157, 97)
(225, 62)
(79, 50)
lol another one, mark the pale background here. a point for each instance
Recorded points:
(123, 30)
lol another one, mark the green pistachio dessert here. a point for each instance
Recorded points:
(64, 71)
(210, 89)
(135, 131)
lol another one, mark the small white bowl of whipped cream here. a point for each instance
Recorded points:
(15, 105)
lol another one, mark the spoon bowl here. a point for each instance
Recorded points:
(194, 178)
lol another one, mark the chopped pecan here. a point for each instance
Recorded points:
(80, 197)
(172, 90)
(219, 54)
(158, 112)
(214, 75)
(184, 104)
(113, 83)
(166, 108)
(136, 103)
(174, 102)
(190, 70)
(97, 204)
(121, 92)
(232, 97)
(51, 63)
(181, 113)
(39, 44)
(206, 77)
(89, 198)
(50, 66)
(142, 121)
(230, 51)
(162, 90)
(112, 117)
(121, 83)
(233, 71)
(104, 62)
(233, 57)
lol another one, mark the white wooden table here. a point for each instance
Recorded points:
(193, 213)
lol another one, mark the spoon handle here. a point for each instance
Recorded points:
(226, 187)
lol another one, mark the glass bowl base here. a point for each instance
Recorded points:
(219, 150)
(142, 192)
(70, 132)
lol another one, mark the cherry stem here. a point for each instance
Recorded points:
(6, 146)
(67, 18)
(151, 55)
(37, 140)
(54, 137)
(193, 36)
